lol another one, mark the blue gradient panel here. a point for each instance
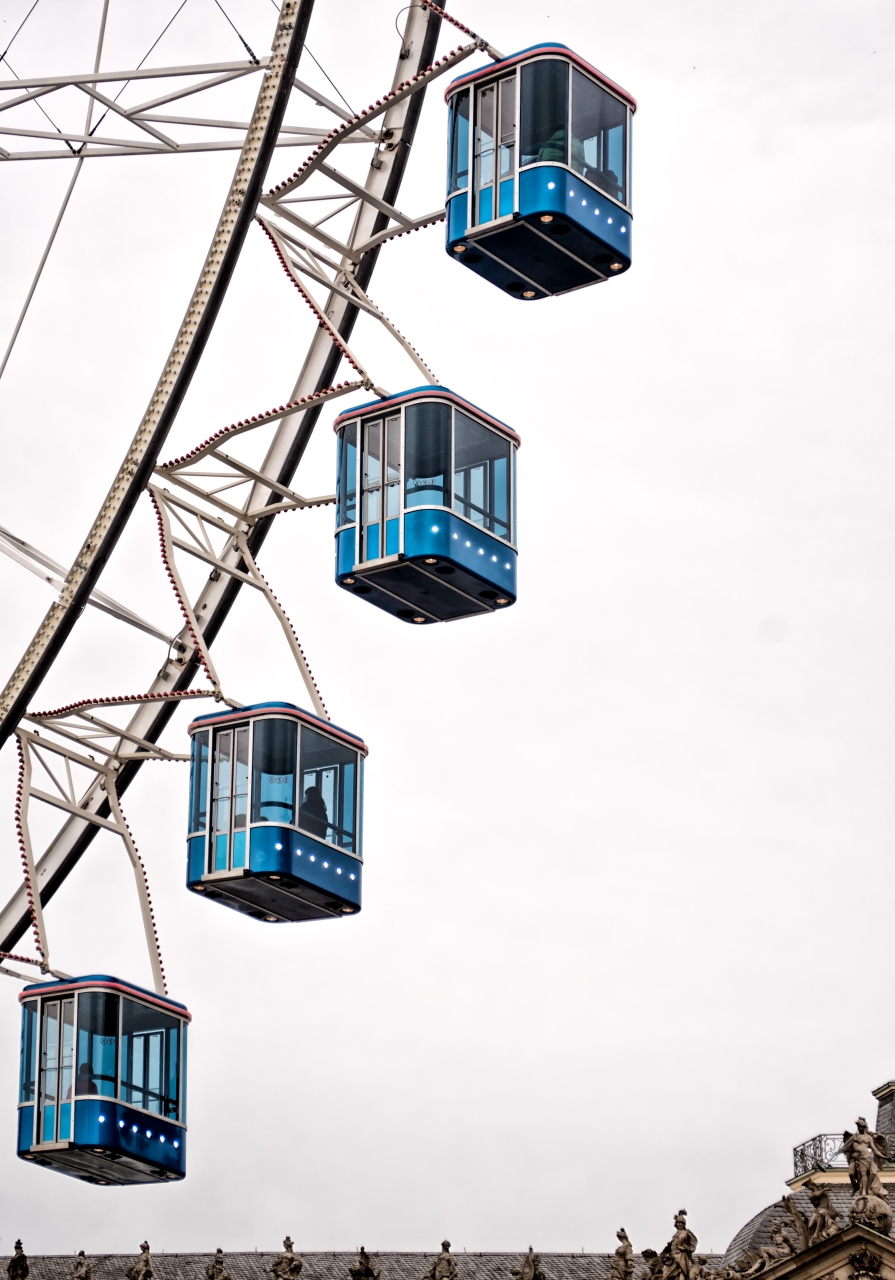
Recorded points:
(557, 190)
(345, 550)
(458, 217)
(195, 868)
(586, 233)
(145, 1138)
(371, 540)
(434, 532)
(108, 1131)
(25, 1129)
(282, 851)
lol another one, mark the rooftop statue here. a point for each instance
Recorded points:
(142, 1268)
(215, 1269)
(83, 1268)
(824, 1220)
(866, 1152)
(782, 1246)
(17, 1268)
(366, 1268)
(678, 1253)
(287, 1265)
(623, 1261)
(655, 1262)
(444, 1267)
(530, 1269)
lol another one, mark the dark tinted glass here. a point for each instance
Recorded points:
(427, 455)
(346, 486)
(150, 1059)
(273, 771)
(96, 1069)
(481, 475)
(544, 111)
(459, 127)
(328, 789)
(28, 1061)
(598, 136)
(199, 782)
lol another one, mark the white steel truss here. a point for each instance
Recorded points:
(213, 505)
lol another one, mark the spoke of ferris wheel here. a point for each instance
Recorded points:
(143, 115)
(290, 441)
(35, 561)
(63, 207)
(195, 329)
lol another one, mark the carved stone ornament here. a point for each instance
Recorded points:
(623, 1260)
(444, 1267)
(865, 1263)
(530, 1269)
(142, 1268)
(83, 1268)
(366, 1268)
(17, 1268)
(215, 1269)
(287, 1265)
(872, 1211)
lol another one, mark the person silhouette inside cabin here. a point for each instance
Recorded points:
(84, 1084)
(312, 815)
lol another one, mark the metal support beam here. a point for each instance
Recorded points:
(195, 330)
(293, 433)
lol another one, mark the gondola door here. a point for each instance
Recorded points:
(56, 1070)
(230, 799)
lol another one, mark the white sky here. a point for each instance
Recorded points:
(628, 845)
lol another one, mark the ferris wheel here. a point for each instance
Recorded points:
(538, 205)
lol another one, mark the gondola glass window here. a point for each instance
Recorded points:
(517, 219)
(545, 112)
(444, 455)
(598, 137)
(150, 1058)
(286, 799)
(102, 1061)
(273, 771)
(97, 1064)
(482, 476)
(328, 789)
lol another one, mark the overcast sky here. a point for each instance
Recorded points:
(628, 872)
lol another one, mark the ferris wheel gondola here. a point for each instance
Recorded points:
(276, 812)
(539, 173)
(102, 1087)
(426, 506)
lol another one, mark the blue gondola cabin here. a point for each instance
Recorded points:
(539, 173)
(276, 798)
(102, 1085)
(426, 524)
